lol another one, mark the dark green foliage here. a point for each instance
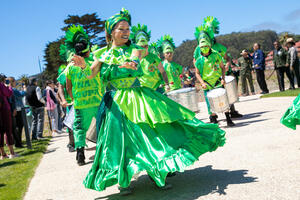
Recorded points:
(92, 25)
(235, 43)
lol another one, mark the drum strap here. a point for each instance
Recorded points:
(216, 83)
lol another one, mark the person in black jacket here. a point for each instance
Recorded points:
(36, 102)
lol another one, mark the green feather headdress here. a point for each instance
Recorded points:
(212, 22)
(64, 54)
(74, 35)
(204, 35)
(166, 44)
(153, 48)
(113, 20)
(140, 35)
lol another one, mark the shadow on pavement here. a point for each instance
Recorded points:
(188, 185)
(251, 115)
(51, 150)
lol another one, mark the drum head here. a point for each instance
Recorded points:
(216, 92)
(182, 90)
(228, 79)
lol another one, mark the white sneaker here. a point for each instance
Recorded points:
(3, 157)
(14, 156)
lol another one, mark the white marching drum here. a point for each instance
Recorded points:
(69, 119)
(231, 89)
(187, 97)
(218, 100)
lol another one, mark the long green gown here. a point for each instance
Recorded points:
(291, 117)
(140, 129)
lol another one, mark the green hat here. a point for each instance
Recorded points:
(75, 35)
(110, 23)
(153, 48)
(166, 44)
(213, 23)
(140, 35)
(204, 35)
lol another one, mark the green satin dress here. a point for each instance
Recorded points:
(291, 117)
(140, 129)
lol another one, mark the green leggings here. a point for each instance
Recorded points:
(83, 118)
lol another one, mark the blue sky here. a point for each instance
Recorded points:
(27, 26)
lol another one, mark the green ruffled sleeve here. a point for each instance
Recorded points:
(111, 72)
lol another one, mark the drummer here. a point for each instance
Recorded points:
(174, 71)
(84, 92)
(155, 76)
(210, 70)
(213, 23)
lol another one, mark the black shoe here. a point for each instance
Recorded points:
(71, 149)
(235, 114)
(19, 146)
(291, 88)
(80, 156)
(213, 119)
(228, 120)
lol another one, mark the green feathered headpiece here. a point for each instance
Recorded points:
(166, 44)
(74, 35)
(153, 49)
(64, 54)
(110, 23)
(212, 22)
(204, 35)
(140, 35)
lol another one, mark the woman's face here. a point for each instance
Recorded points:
(168, 56)
(121, 33)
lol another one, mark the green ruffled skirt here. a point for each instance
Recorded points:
(142, 130)
(291, 117)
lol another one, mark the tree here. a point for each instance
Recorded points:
(52, 59)
(93, 26)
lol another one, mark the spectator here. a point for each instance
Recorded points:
(294, 60)
(281, 64)
(52, 106)
(6, 120)
(259, 66)
(188, 78)
(244, 62)
(20, 118)
(36, 103)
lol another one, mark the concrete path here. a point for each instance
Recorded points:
(260, 160)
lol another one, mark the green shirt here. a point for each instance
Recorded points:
(62, 79)
(152, 77)
(221, 49)
(111, 59)
(173, 70)
(210, 70)
(245, 64)
(86, 92)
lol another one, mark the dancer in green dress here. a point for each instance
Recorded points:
(174, 71)
(154, 76)
(210, 70)
(291, 117)
(140, 129)
(86, 93)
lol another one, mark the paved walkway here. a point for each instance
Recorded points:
(260, 160)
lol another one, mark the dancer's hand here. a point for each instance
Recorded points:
(223, 82)
(203, 85)
(129, 65)
(79, 61)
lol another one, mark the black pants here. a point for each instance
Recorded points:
(260, 76)
(280, 76)
(296, 73)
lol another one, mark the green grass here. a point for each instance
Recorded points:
(15, 174)
(287, 93)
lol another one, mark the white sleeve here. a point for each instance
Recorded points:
(39, 95)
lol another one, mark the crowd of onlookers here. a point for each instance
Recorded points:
(22, 106)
